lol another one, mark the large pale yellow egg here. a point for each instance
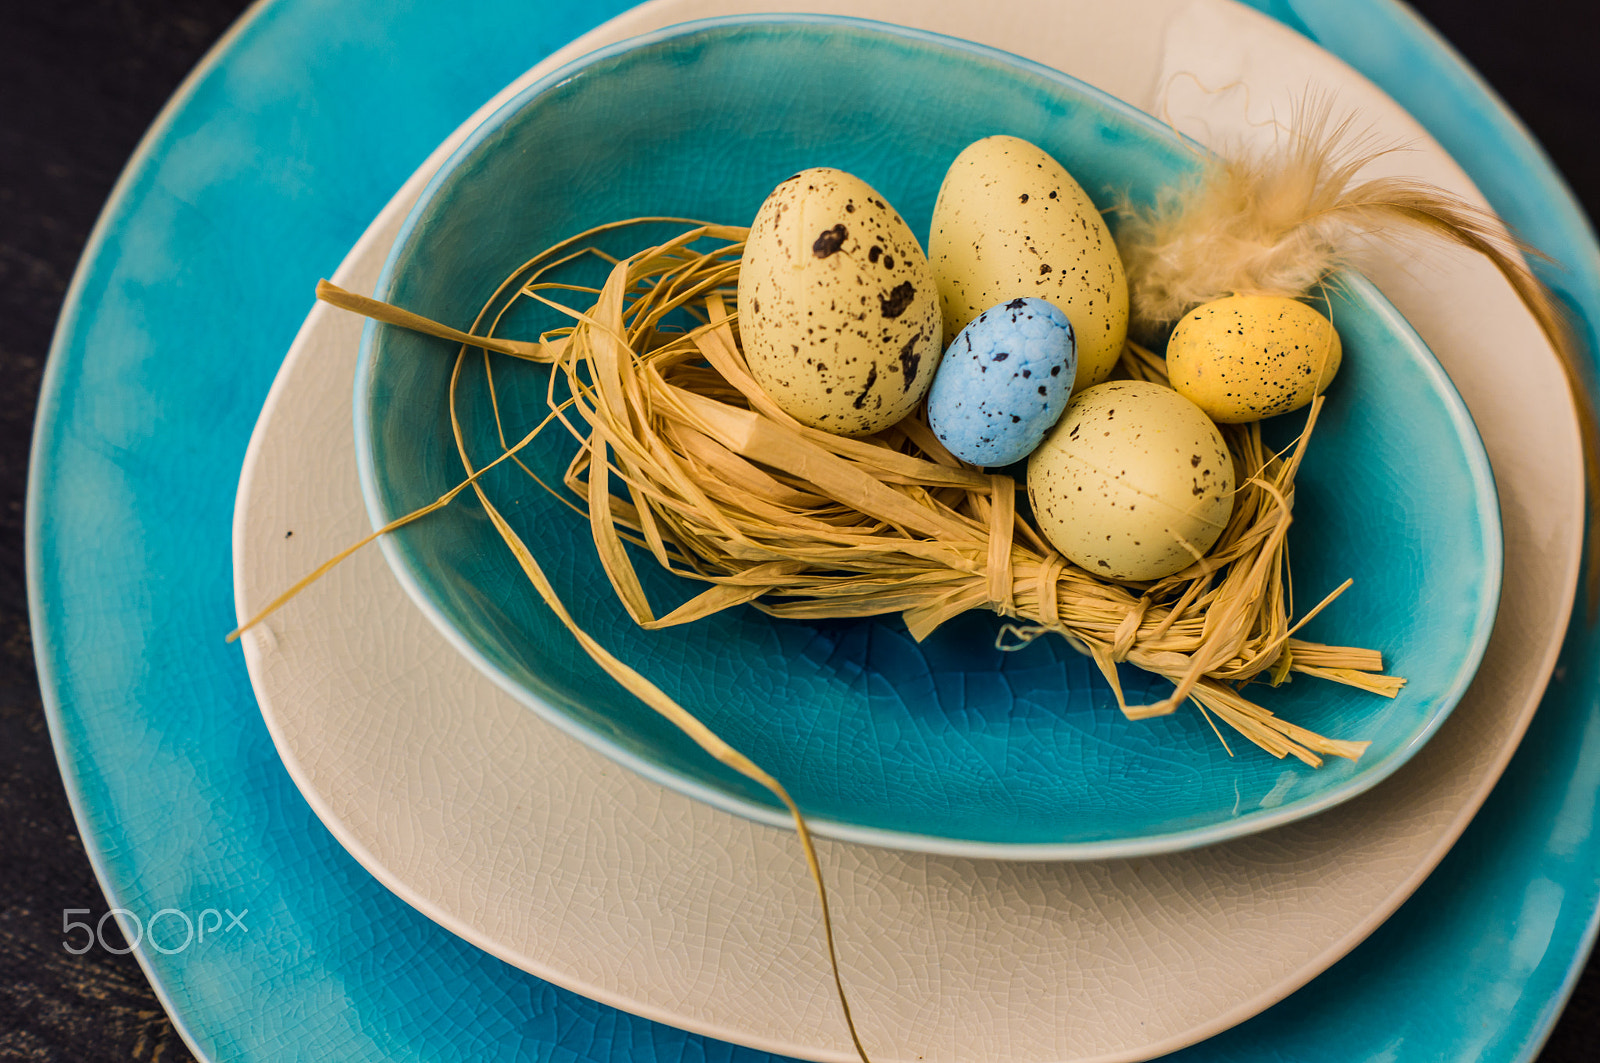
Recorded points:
(1133, 483)
(1252, 356)
(838, 310)
(1010, 223)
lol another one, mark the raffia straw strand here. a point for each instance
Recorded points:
(652, 695)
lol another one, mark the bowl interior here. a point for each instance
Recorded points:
(952, 744)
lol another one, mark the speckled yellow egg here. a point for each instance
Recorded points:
(1133, 483)
(1010, 223)
(1252, 356)
(838, 311)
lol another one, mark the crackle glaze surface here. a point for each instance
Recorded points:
(285, 144)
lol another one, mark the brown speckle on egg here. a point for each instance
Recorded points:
(899, 298)
(829, 241)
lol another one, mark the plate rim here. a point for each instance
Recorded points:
(44, 428)
(1574, 950)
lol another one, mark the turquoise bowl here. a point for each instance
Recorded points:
(950, 745)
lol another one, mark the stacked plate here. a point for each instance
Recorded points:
(513, 836)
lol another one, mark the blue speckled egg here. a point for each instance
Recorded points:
(1004, 382)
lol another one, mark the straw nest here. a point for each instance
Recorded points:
(680, 452)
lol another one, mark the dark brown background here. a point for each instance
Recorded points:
(79, 83)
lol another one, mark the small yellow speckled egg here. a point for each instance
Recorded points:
(1010, 222)
(1133, 483)
(838, 310)
(1252, 356)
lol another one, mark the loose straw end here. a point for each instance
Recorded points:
(1347, 750)
(330, 293)
(1150, 712)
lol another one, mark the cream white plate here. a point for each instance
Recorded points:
(546, 854)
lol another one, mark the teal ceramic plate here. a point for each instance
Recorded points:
(287, 141)
(950, 745)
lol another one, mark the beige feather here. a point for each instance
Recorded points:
(1279, 222)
